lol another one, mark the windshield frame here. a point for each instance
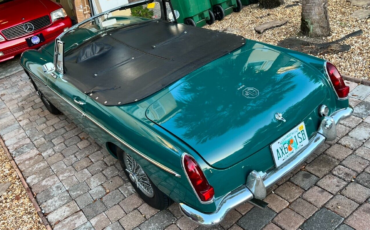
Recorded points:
(59, 44)
(123, 7)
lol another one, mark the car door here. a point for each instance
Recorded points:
(98, 118)
(38, 78)
(67, 98)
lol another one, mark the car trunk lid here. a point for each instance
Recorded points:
(226, 110)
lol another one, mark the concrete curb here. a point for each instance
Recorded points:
(357, 80)
(25, 185)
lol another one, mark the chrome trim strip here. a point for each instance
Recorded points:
(341, 114)
(159, 165)
(232, 200)
(243, 194)
(273, 176)
(196, 194)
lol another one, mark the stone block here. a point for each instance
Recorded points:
(303, 208)
(360, 218)
(317, 196)
(341, 205)
(131, 203)
(62, 212)
(115, 213)
(322, 165)
(132, 220)
(289, 191)
(256, 218)
(304, 179)
(356, 192)
(323, 219)
(94, 209)
(112, 198)
(332, 183)
(159, 221)
(84, 200)
(289, 219)
(100, 221)
(71, 222)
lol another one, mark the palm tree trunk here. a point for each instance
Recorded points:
(315, 19)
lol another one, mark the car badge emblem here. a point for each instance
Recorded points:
(279, 117)
(251, 92)
(28, 27)
(35, 40)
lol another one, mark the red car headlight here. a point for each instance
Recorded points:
(57, 14)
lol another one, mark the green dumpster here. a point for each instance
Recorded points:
(194, 12)
(248, 2)
(221, 8)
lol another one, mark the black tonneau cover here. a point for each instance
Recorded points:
(132, 63)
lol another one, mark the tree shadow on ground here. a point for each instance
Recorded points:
(318, 48)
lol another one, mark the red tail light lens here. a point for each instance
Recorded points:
(337, 80)
(200, 184)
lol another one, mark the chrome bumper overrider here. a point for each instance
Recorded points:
(244, 193)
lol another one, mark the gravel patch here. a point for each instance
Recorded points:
(17, 211)
(354, 62)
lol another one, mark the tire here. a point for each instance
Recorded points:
(219, 12)
(212, 18)
(190, 22)
(239, 6)
(155, 198)
(50, 107)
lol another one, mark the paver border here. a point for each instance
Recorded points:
(25, 185)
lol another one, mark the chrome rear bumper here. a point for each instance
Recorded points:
(243, 193)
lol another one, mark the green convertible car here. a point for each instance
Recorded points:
(199, 117)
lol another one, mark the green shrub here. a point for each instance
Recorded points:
(140, 11)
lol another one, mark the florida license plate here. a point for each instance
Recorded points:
(35, 40)
(289, 144)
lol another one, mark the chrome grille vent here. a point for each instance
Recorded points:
(26, 28)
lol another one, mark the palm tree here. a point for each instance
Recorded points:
(315, 19)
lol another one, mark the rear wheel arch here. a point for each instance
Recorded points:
(112, 149)
(159, 200)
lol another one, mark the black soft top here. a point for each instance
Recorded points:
(132, 63)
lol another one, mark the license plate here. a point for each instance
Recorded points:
(289, 144)
(35, 40)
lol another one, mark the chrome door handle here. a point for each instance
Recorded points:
(78, 102)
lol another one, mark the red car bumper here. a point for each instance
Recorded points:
(11, 48)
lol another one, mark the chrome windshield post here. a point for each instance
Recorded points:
(59, 56)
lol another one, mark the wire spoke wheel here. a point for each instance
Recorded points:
(138, 176)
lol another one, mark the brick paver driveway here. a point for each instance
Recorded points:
(78, 185)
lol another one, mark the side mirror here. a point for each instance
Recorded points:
(171, 17)
(48, 68)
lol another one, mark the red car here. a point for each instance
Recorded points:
(29, 24)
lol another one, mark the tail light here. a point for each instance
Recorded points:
(199, 182)
(337, 80)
